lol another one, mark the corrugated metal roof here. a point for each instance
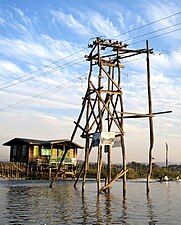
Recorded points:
(40, 142)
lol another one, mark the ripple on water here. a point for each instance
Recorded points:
(32, 202)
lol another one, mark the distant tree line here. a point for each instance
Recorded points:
(136, 170)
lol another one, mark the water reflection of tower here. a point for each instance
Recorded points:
(108, 201)
(85, 209)
(168, 199)
(151, 214)
(104, 216)
(99, 211)
(124, 211)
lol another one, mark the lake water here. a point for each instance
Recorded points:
(33, 202)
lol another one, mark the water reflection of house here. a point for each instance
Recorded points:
(38, 152)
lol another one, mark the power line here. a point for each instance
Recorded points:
(49, 91)
(39, 69)
(148, 24)
(35, 97)
(55, 62)
(43, 73)
(168, 27)
(159, 35)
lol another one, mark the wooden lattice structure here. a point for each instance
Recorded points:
(103, 109)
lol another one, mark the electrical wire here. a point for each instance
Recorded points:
(142, 35)
(148, 24)
(39, 69)
(55, 88)
(50, 91)
(159, 35)
(55, 62)
(165, 28)
(43, 73)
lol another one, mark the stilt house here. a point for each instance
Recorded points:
(38, 152)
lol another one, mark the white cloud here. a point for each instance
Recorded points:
(70, 21)
(2, 21)
(9, 69)
(60, 48)
(41, 51)
(22, 15)
(121, 21)
(162, 9)
(166, 62)
(21, 49)
(102, 26)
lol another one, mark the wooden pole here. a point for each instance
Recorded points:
(121, 124)
(151, 133)
(87, 144)
(99, 167)
(114, 179)
(109, 162)
(109, 147)
(99, 157)
(166, 162)
(86, 162)
(59, 167)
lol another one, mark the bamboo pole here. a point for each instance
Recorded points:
(121, 121)
(99, 167)
(99, 157)
(114, 179)
(109, 163)
(151, 132)
(86, 162)
(109, 148)
(87, 144)
(166, 161)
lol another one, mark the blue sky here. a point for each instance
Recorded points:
(43, 70)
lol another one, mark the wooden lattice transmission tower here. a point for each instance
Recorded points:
(103, 101)
(102, 107)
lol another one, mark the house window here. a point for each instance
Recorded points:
(60, 152)
(24, 150)
(35, 151)
(54, 152)
(14, 150)
(46, 151)
(69, 153)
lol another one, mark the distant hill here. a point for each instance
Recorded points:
(161, 164)
(169, 163)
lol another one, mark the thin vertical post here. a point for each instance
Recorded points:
(99, 157)
(109, 147)
(87, 144)
(121, 123)
(50, 173)
(99, 167)
(109, 162)
(85, 163)
(166, 162)
(151, 133)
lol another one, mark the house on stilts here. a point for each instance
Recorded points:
(43, 157)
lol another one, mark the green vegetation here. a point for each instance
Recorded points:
(137, 170)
